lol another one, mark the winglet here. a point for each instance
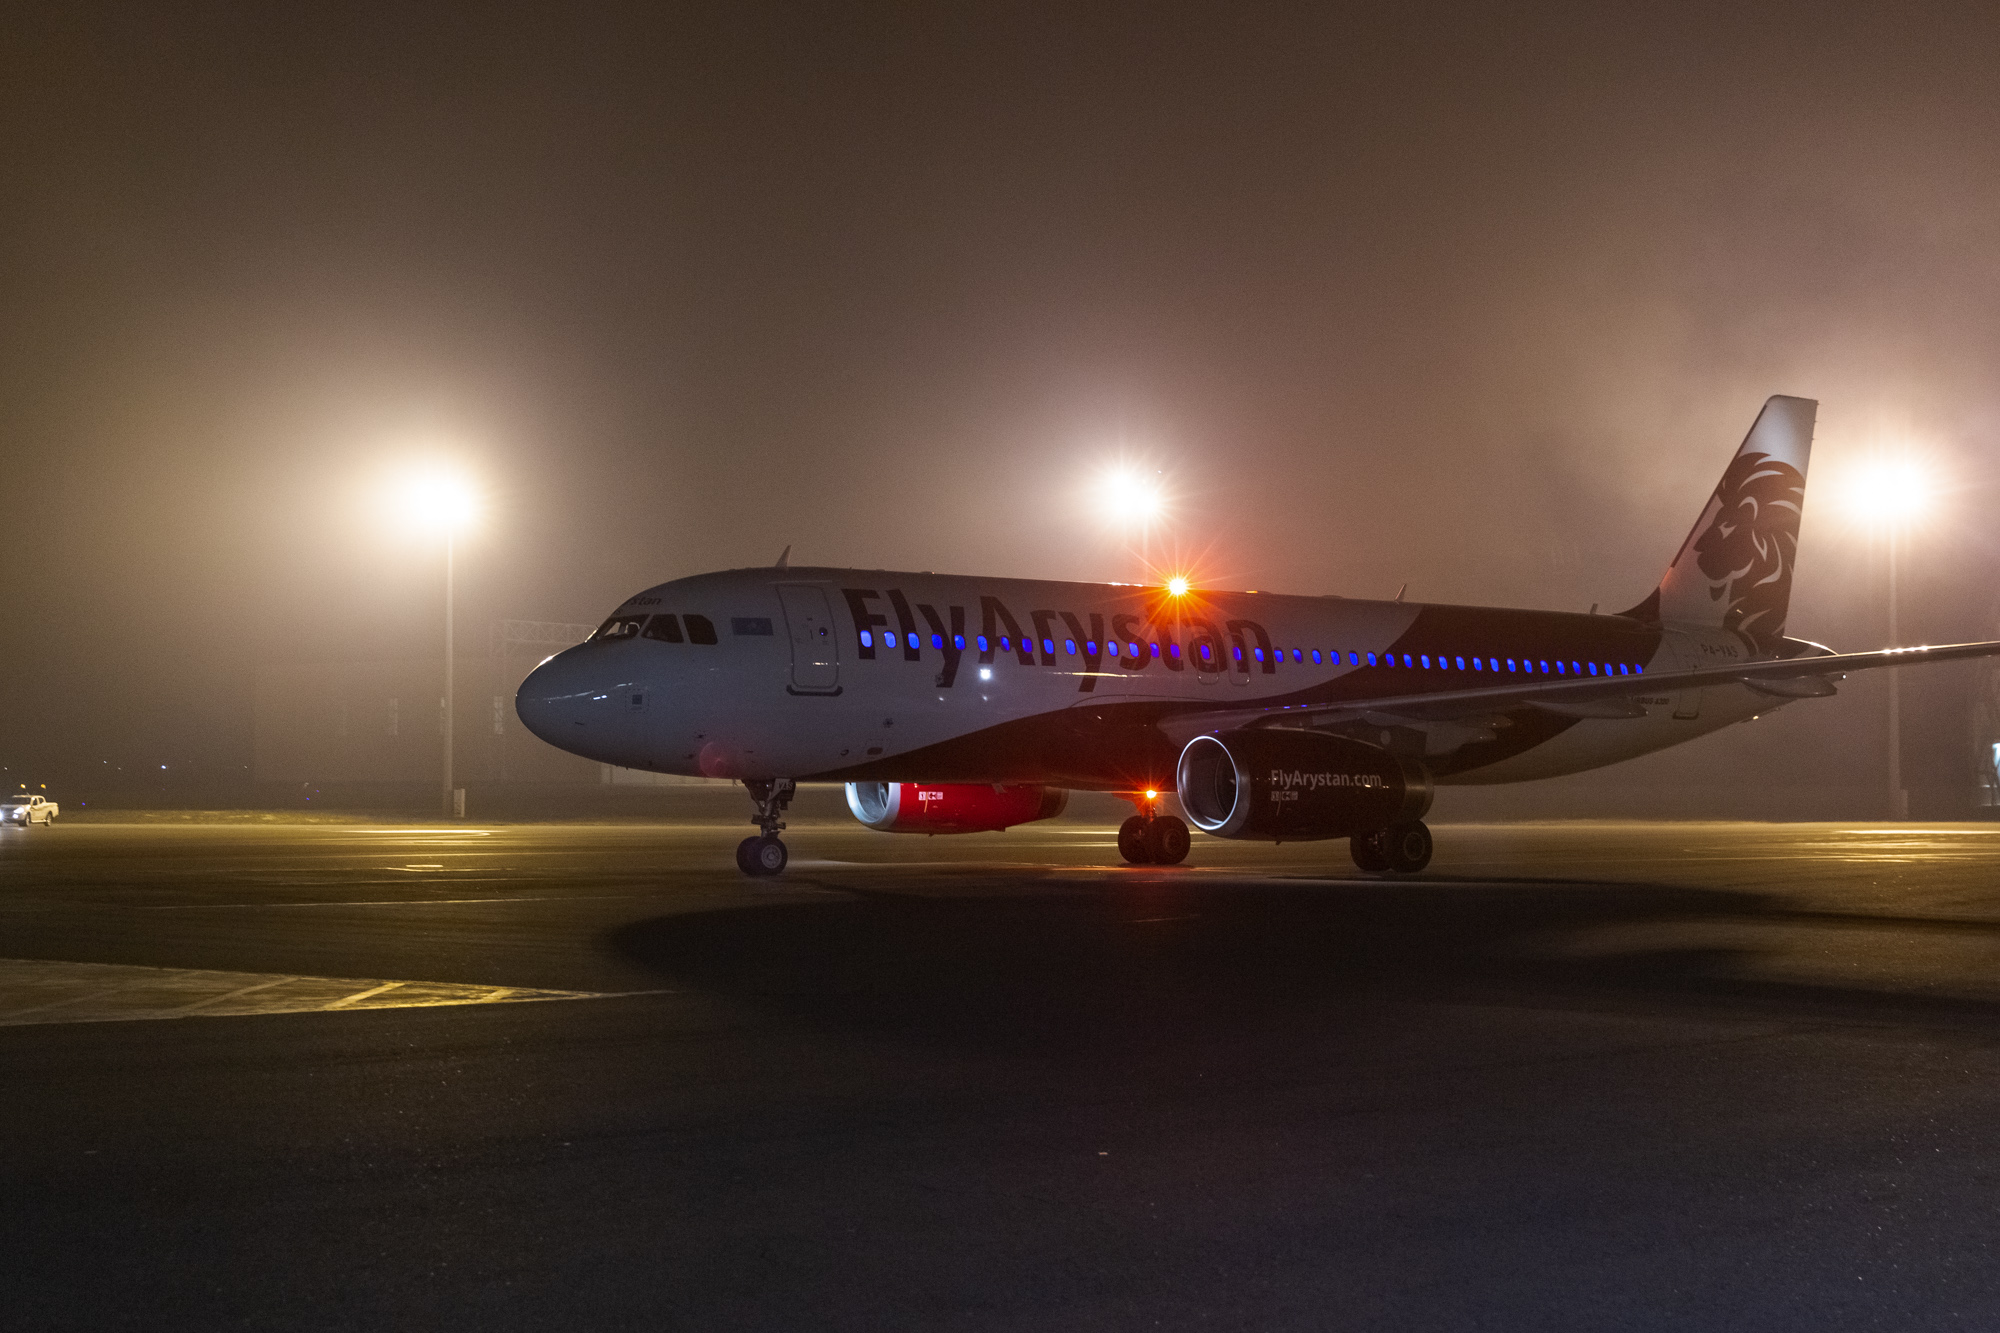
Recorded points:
(785, 558)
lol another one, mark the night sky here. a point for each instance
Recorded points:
(1476, 300)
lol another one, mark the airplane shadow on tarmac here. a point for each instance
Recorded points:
(1082, 965)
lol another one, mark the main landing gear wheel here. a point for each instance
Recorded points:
(1162, 840)
(1132, 841)
(1167, 841)
(1403, 848)
(761, 855)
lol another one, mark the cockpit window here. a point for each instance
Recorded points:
(700, 629)
(618, 627)
(666, 629)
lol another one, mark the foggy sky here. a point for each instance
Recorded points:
(1477, 301)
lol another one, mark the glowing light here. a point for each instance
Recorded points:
(436, 500)
(1890, 492)
(1152, 795)
(1130, 497)
(1177, 586)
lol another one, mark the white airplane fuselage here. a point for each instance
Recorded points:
(854, 675)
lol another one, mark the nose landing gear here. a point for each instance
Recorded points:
(1403, 848)
(765, 854)
(1150, 838)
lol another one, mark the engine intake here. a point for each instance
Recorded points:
(1296, 786)
(933, 807)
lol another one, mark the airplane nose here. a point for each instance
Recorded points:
(553, 702)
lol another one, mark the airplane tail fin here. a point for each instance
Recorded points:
(1735, 568)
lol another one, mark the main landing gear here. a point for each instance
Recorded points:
(1404, 848)
(1153, 839)
(765, 855)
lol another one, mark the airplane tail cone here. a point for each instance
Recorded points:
(1735, 568)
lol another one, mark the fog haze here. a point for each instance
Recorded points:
(1473, 301)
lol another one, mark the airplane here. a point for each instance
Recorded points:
(951, 704)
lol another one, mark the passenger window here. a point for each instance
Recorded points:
(1069, 647)
(867, 639)
(1545, 668)
(937, 640)
(1316, 660)
(700, 629)
(667, 629)
(958, 642)
(1461, 663)
(1299, 657)
(1049, 647)
(1004, 647)
(1111, 646)
(984, 646)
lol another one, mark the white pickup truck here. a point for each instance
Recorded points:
(23, 809)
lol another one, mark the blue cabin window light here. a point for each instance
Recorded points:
(958, 642)
(1004, 645)
(984, 645)
(937, 640)
(1257, 653)
(1049, 647)
(914, 643)
(1069, 646)
(867, 639)
(1316, 660)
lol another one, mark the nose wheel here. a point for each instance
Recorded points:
(761, 855)
(764, 855)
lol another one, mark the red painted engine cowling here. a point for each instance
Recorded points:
(948, 807)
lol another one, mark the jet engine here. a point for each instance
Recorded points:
(1296, 786)
(947, 807)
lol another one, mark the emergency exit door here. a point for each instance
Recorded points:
(815, 656)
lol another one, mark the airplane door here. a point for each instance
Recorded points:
(1687, 703)
(815, 656)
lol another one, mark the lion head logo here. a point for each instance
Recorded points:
(1748, 550)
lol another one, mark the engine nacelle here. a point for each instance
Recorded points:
(951, 807)
(1296, 786)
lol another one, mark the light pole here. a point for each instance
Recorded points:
(452, 809)
(1890, 494)
(1899, 799)
(443, 503)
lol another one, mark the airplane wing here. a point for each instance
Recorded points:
(1804, 677)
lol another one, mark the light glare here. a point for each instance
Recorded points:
(436, 501)
(1892, 492)
(1130, 497)
(1177, 586)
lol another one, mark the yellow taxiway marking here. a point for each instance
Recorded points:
(37, 991)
